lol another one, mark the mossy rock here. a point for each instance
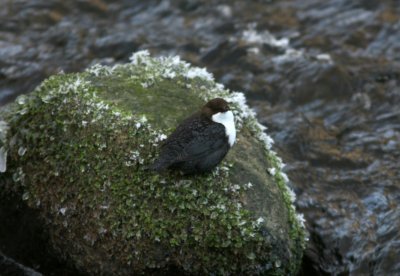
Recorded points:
(77, 150)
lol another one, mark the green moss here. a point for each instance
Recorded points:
(158, 102)
(79, 146)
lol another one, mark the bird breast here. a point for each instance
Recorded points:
(226, 118)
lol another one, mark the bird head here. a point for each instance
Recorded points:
(214, 106)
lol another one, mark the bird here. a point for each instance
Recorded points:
(200, 142)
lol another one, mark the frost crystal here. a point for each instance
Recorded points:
(285, 177)
(169, 74)
(267, 140)
(21, 99)
(281, 165)
(235, 188)
(143, 119)
(99, 70)
(239, 99)
(272, 171)
(199, 72)
(63, 211)
(160, 137)
(134, 155)
(292, 194)
(301, 220)
(138, 57)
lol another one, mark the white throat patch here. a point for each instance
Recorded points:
(226, 118)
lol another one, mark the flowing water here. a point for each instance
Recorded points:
(324, 76)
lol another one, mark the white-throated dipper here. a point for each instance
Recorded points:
(200, 142)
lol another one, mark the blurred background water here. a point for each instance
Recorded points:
(323, 76)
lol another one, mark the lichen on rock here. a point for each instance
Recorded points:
(77, 150)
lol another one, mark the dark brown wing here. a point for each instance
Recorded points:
(196, 142)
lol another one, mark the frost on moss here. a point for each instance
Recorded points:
(77, 150)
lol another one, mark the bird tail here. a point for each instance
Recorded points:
(158, 166)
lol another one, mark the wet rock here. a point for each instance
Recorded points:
(117, 46)
(78, 148)
(24, 241)
(10, 267)
(347, 193)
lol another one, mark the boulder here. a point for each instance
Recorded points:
(76, 150)
(10, 267)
